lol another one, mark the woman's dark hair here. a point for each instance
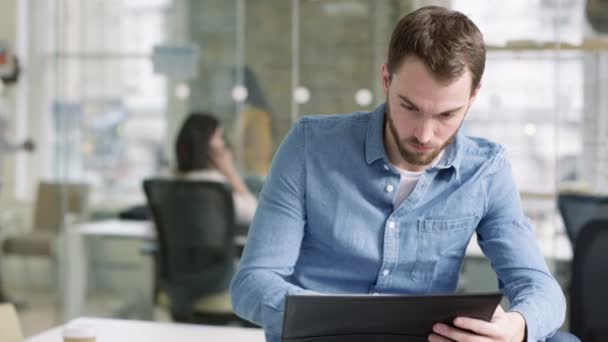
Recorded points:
(192, 144)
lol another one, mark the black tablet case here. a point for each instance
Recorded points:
(375, 318)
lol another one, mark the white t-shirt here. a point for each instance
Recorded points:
(408, 182)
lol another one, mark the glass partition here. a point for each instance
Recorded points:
(265, 63)
(106, 115)
(107, 106)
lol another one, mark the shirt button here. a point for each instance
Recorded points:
(390, 188)
(391, 225)
(385, 272)
(386, 167)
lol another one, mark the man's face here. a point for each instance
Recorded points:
(423, 114)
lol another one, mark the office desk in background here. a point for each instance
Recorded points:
(554, 248)
(129, 229)
(105, 254)
(114, 330)
(108, 255)
(478, 276)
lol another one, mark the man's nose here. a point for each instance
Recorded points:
(424, 131)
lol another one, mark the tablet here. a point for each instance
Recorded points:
(371, 318)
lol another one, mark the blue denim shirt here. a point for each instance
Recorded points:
(326, 223)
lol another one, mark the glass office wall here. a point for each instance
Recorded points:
(260, 65)
(319, 57)
(108, 116)
(333, 74)
(103, 106)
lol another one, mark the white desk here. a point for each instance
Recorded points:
(119, 228)
(129, 229)
(114, 330)
(75, 261)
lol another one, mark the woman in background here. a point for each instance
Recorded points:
(202, 155)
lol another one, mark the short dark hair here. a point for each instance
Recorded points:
(446, 40)
(192, 144)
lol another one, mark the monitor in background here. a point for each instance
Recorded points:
(580, 209)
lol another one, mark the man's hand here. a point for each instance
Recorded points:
(504, 327)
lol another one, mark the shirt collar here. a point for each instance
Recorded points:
(452, 155)
(374, 143)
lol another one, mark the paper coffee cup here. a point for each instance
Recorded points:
(75, 332)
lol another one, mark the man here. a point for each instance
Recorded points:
(387, 201)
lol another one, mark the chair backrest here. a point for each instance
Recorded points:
(588, 297)
(195, 227)
(55, 199)
(579, 209)
(10, 330)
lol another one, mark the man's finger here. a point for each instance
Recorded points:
(477, 326)
(438, 338)
(457, 334)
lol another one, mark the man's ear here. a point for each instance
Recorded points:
(386, 78)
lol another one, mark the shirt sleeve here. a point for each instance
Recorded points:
(507, 239)
(259, 288)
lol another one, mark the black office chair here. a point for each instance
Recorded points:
(196, 251)
(578, 209)
(589, 299)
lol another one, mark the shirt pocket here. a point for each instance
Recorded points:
(441, 245)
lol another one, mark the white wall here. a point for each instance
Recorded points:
(20, 171)
(8, 37)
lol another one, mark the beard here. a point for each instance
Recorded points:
(412, 157)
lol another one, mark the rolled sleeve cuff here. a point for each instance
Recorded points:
(274, 309)
(531, 317)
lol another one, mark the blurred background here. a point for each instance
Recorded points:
(104, 85)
